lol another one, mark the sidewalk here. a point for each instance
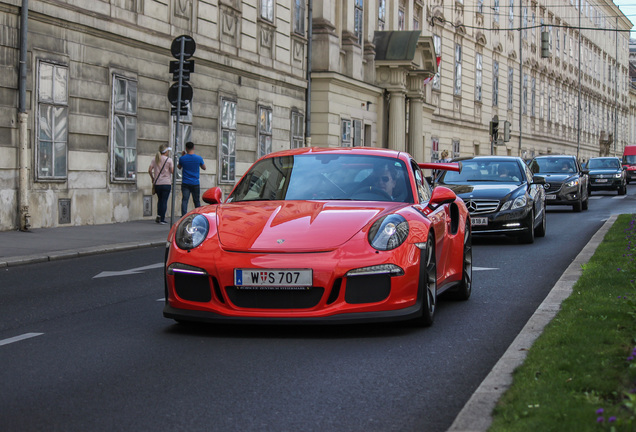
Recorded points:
(49, 244)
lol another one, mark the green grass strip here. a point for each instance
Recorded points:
(579, 374)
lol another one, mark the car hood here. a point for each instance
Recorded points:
(557, 178)
(603, 171)
(490, 191)
(292, 226)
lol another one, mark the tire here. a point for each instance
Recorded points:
(540, 230)
(428, 283)
(465, 287)
(622, 190)
(585, 204)
(578, 206)
(528, 236)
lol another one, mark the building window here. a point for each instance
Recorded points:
(401, 16)
(478, 75)
(533, 96)
(455, 148)
(264, 131)
(358, 15)
(524, 23)
(437, 43)
(299, 17)
(228, 140)
(495, 11)
(495, 83)
(345, 140)
(524, 102)
(434, 149)
(511, 75)
(52, 121)
(458, 70)
(267, 10)
(480, 7)
(417, 16)
(357, 133)
(124, 135)
(534, 23)
(381, 14)
(511, 15)
(297, 129)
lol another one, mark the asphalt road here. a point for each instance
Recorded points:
(80, 352)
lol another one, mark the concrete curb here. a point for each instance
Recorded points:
(476, 416)
(74, 253)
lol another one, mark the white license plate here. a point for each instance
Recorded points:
(550, 197)
(479, 221)
(273, 277)
(600, 180)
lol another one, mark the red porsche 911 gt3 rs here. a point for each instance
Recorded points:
(321, 235)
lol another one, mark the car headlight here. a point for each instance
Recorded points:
(515, 203)
(571, 183)
(388, 232)
(191, 232)
(618, 175)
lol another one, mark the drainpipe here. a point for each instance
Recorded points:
(308, 98)
(23, 151)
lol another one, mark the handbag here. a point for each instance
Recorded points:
(155, 180)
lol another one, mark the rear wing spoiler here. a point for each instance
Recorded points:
(447, 166)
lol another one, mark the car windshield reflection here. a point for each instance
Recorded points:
(475, 171)
(325, 177)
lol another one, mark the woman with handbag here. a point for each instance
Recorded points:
(160, 170)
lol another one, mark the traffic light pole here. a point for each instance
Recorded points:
(177, 139)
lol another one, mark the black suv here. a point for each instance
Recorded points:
(566, 182)
(607, 173)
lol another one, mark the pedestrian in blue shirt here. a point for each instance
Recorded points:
(190, 163)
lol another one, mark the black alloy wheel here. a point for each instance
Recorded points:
(428, 281)
(527, 236)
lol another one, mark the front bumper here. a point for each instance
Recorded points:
(334, 297)
(605, 183)
(563, 196)
(509, 222)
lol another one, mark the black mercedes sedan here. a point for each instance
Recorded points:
(607, 173)
(502, 196)
(566, 182)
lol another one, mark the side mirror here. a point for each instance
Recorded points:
(442, 195)
(538, 180)
(213, 195)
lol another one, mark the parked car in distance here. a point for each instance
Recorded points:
(629, 162)
(502, 196)
(607, 173)
(566, 182)
(321, 235)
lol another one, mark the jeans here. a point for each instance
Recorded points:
(186, 190)
(163, 192)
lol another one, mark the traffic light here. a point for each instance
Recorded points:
(494, 128)
(180, 92)
(506, 131)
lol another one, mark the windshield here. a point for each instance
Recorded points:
(603, 164)
(629, 159)
(325, 177)
(553, 165)
(474, 170)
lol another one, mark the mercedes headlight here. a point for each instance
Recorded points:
(571, 183)
(388, 232)
(515, 203)
(192, 230)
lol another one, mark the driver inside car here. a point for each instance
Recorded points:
(384, 179)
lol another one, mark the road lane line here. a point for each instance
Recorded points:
(19, 338)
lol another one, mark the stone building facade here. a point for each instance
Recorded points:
(76, 150)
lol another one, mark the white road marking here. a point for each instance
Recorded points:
(19, 338)
(161, 299)
(620, 197)
(484, 268)
(129, 271)
(595, 197)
